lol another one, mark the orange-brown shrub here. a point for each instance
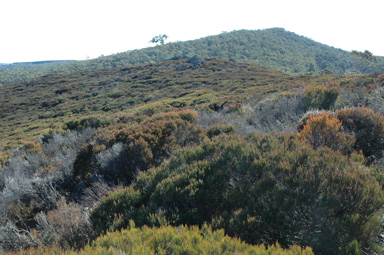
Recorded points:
(326, 130)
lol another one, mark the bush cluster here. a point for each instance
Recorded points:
(368, 128)
(67, 226)
(307, 189)
(359, 129)
(220, 129)
(325, 129)
(171, 240)
(120, 157)
(262, 189)
(32, 182)
(320, 97)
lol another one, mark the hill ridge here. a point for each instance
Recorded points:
(274, 48)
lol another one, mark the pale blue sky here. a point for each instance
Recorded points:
(77, 29)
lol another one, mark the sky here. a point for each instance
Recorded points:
(80, 29)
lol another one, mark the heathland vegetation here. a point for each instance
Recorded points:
(193, 155)
(273, 48)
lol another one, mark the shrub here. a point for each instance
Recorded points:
(171, 240)
(67, 226)
(85, 164)
(368, 128)
(88, 122)
(260, 188)
(31, 146)
(13, 238)
(32, 181)
(325, 130)
(189, 116)
(138, 147)
(277, 113)
(320, 97)
(220, 129)
(24, 192)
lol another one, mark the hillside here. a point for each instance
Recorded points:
(192, 156)
(46, 103)
(36, 64)
(28, 109)
(273, 48)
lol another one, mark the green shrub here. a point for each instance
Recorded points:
(262, 189)
(180, 240)
(320, 97)
(220, 129)
(91, 121)
(85, 165)
(368, 129)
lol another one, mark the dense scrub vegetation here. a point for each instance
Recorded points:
(359, 129)
(171, 240)
(46, 103)
(261, 189)
(272, 48)
(186, 146)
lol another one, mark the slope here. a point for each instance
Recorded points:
(273, 48)
(28, 109)
(154, 129)
(19, 65)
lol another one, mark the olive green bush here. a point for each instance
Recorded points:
(260, 188)
(220, 129)
(368, 128)
(320, 97)
(180, 240)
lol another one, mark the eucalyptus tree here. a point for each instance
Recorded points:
(159, 39)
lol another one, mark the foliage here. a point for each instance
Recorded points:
(273, 48)
(167, 131)
(87, 122)
(363, 61)
(357, 128)
(220, 129)
(320, 97)
(137, 148)
(67, 226)
(272, 101)
(32, 181)
(278, 112)
(171, 240)
(324, 129)
(159, 39)
(368, 128)
(260, 188)
(95, 98)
